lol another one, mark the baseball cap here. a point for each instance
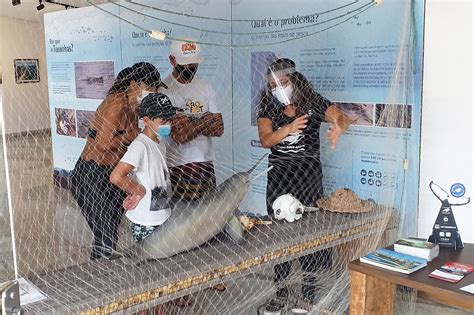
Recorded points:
(157, 105)
(186, 51)
(147, 73)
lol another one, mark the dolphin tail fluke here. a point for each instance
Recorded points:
(439, 192)
(458, 201)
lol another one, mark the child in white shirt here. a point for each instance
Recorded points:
(142, 172)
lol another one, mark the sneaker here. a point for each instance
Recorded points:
(283, 293)
(274, 306)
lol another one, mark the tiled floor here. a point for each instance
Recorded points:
(51, 234)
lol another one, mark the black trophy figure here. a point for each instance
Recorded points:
(445, 231)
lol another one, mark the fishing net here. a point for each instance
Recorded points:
(338, 66)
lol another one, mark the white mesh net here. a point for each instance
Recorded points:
(283, 80)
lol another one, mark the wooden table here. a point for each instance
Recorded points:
(102, 286)
(373, 288)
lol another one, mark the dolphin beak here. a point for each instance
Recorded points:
(257, 164)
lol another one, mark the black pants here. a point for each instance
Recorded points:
(310, 264)
(300, 177)
(303, 179)
(101, 204)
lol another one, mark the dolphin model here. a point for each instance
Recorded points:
(191, 224)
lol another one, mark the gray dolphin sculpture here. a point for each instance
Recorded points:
(191, 224)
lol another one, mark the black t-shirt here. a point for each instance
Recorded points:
(305, 144)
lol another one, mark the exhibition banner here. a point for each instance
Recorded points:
(366, 59)
(364, 56)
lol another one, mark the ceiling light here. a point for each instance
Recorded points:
(157, 35)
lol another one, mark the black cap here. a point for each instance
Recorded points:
(157, 105)
(147, 73)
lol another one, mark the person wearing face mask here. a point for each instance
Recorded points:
(289, 119)
(142, 173)
(189, 151)
(113, 127)
(149, 190)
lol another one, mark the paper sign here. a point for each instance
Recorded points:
(469, 288)
(29, 293)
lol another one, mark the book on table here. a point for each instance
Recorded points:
(417, 247)
(452, 271)
(391, 260)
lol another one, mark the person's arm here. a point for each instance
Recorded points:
(109, 136)
(269, 138)
(120, 175)
(339, 124)
(120, 178)
(184, 130)
(213, 124)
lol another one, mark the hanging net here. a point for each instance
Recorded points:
(287, 147)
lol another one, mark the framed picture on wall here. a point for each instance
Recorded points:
(26, 70)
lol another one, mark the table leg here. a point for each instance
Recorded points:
(370, 295)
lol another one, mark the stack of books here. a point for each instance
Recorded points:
(388, 259)
(417, 247)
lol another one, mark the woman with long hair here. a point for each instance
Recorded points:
(113, 127)
(289, 119)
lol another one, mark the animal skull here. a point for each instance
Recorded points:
(286, 207)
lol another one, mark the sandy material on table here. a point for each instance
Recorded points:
(345, 200)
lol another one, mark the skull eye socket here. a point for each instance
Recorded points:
(278, 212)
(299, 210)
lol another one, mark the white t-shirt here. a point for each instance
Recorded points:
(151, 171)
(195, 98)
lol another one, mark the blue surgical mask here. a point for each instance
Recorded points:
(163, 131)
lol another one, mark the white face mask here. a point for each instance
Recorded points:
(142, 96)
(283, 94)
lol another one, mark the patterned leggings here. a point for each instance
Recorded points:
(141, 232)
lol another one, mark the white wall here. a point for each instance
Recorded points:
(25, 105)
(447, 138)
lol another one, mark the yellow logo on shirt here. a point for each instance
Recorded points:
(194, 107)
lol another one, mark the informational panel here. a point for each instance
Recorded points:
(83, 57)
(87, 47)
(366, 59)
(364, 56)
